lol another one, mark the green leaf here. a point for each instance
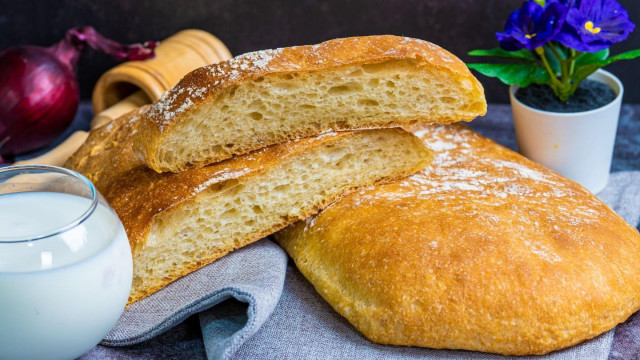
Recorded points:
(629, 55)
(590, 58)
(581, 72)
(522, 75)
(524, 54)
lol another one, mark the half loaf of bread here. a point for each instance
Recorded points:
(179, 222)
(483, 250)
(267, 97)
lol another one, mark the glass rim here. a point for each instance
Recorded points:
(66, 227)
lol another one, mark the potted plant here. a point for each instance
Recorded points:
(565, 108)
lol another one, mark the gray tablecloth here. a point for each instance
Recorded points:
(251, 315)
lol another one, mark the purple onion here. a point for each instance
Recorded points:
(39, 90)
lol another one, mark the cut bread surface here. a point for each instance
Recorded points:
(268, 97)
(179, 222)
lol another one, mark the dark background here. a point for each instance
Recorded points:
(457, 25)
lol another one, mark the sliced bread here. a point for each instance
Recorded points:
(267, 97)
(179, 222)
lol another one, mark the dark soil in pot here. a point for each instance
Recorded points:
(590, 95)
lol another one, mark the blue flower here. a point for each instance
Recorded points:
(593, 25)
(532, 26)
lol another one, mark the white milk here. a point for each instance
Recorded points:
(59, 296)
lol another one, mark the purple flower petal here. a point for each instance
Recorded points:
(531, 26)
(593, 25)
(551, 21)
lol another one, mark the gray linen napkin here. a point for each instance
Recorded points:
(254, 275)
(303, 325)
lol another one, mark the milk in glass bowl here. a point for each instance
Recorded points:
(65, 264)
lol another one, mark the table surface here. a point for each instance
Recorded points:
(185, 340)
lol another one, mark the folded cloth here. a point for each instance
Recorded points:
(303, 325)
(253, 275)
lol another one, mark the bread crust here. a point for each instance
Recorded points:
(483, 250)
(207, 83)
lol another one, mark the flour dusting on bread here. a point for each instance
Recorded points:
(458, 166)
(167, 106)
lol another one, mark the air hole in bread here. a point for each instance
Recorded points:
(345, 88)
(286, 86)
(368, 102)
(280, 188)
(257, 104)
(376, 68)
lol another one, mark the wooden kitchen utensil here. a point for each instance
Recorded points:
(175, 57)
(136, 83)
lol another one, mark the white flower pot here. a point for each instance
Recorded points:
(576, 145)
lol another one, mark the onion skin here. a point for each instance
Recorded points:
(39, 98)
(39, 91)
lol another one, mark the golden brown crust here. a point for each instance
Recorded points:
(483, 250)
(204, 84)
(107, 153)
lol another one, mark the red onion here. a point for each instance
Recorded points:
(39, 91)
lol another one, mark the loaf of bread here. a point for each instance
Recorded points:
(267, 97)
(179, 222)
(483, 250)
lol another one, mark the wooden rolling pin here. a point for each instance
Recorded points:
(135, 83)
